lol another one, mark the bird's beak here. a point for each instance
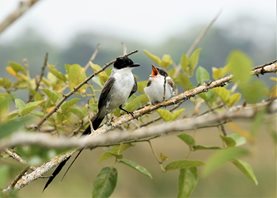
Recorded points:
(135, 65)
(154, 71)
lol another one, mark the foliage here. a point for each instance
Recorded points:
(37, 100)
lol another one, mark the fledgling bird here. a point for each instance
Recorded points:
(160, 86)
(117, 89)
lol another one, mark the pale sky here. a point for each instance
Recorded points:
(144, 20)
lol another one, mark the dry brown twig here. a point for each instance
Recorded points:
(22, 8)
(98, 138)
(93, 56)
(197, 40)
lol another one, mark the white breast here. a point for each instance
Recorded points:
(123, 85)
(156, 92)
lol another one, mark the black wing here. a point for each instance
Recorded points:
(104, 96)
(135, 87)
(102, 101)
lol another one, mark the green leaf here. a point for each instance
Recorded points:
(153, 57)
(136, 166)
(185, 63)
(76, 75)
(193, 59)
(183, 80)
(5, 82)
(102, 77)
(56, 72)
(177, 113)
(141, 86)
(221, 157)
(105, 183)
(223, 93)
(115, 151)
(188, 179)
(166, 60)
(219, 72)
(5, 100)
(17, 67)
(240, 65)
(202, 75)
(69, 104)
(25, 109)
(11, 126)
(233, 99)
(4, 175)
(20, 104)
(254, 86)
(187, 139)
(233, 139)
(52, 95)
(166, 115)
(179, 164)
(137, 102)
(246, 169)
(201, 147)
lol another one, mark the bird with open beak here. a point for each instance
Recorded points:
(160, 86)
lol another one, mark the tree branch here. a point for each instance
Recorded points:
(93, 56)
(116, 136)
(22, 8)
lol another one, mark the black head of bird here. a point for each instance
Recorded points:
(124, 62)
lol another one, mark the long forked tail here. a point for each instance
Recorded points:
(97, 120)
(56, 172)
(61, 165)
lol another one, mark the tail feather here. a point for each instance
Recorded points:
(97, 121)
(56, 172)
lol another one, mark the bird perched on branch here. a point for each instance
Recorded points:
(160, 86)
(117, 89)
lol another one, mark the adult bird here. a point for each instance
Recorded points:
(160, 86)
(117, 89)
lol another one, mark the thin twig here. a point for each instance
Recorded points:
(93, 56)
(22, 8)
(15, 156)
(66, 96)
(198, 39)
(42, 71)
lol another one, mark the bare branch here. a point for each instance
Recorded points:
(270, 68)
(15, 156)
(93, 56)
(66, 96)
(117, 137)
(42, 71)
(22, 8)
